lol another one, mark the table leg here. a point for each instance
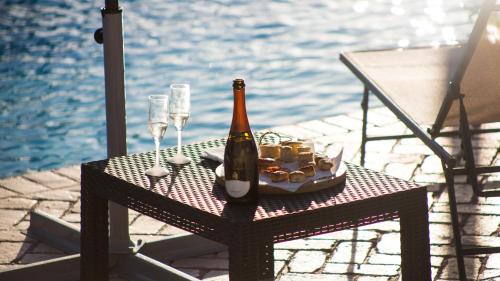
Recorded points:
(94, 236)
(251, 260)
(415, 248)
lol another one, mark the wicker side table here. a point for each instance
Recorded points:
(191, 200)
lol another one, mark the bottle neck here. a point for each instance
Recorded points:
(240, 119)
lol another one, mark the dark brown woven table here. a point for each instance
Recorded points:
(190, 199)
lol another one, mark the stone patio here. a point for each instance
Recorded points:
(367, 253)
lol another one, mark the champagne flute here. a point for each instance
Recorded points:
(157, 124)
(179, 109)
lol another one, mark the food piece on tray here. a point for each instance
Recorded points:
(306, 156)
(269, 170)
(270, 151)
(294, 145)
(297, 176)
(303, 148)
(279, 176)
(285, 169)
(306, 163)
(286, 154)
(325, 164)
(318, 157)
(309, 171)
(265, 163)
(273, 168)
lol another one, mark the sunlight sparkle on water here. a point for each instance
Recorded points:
(52, 80)
(398, 11)
(404, 43)
(360, 6)
(423, 27)
(492, 34)
(435, 11)
(449, 35)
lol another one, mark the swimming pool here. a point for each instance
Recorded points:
(51, 70)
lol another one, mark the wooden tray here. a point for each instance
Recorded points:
(307, 186)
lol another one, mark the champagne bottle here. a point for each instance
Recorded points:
(240, 156)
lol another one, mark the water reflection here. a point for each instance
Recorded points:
(492, 33)
(51, 85)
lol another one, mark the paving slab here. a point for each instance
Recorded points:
(389, 244)
(57, 195)
(216, 275)
(481, 225)
(377, 258)
(402, 171)
(470, 240)
(316, 277)
(307, 261)
(281, 254)
(54, 208)
(346, 122)
(49, 179)
(22, 185)
(298, 132)
(388, 130)
(322, 127)
(204, 263)
(305, 244)
(5, 193)
(351, 252)
(13, 235)
(72, 172)
(144, 225)
(13, 251)
(385, 226)
(472, 266)
(493, 261)
(440, 233)
(17, 203)
(31, 258)
(364, 269)
(368, 253)
(349, 235)
(9, 218)
(490, 275)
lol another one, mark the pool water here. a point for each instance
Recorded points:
(51, 71)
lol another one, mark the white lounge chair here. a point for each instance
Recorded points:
(432, 88)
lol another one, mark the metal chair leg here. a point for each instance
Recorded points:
(457, 237)
(470, 164)
(364, 106)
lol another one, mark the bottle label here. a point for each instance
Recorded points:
(236, 188)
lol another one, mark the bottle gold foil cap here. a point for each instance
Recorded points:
(238, 84)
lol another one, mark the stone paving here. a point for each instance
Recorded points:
(366, 253)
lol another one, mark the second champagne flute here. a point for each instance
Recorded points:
(179, 109)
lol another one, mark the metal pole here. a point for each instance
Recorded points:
(114, 75)
(60, 234)
(364, 106)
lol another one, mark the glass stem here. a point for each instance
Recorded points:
(157, 146)
(179, 142)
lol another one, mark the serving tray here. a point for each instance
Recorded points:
(321, 181)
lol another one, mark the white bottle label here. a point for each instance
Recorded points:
(236, 188)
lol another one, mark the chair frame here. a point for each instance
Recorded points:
(428, 136)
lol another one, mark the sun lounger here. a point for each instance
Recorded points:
(430, 89)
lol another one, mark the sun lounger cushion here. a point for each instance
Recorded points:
(417, 80)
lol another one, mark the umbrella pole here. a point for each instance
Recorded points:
(127, 259)
(114, 75)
